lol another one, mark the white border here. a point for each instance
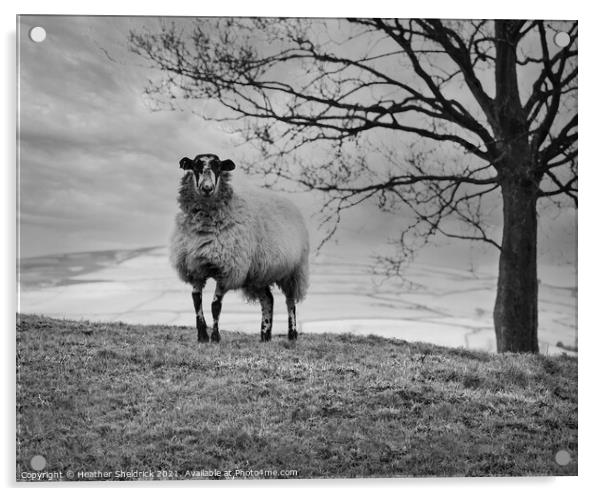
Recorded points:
(589, 271)
(551, 9)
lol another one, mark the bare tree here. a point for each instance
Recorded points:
(329, 104)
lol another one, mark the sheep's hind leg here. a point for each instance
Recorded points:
(292, 319)
(201, 325)
(216, 309)
(267, 314)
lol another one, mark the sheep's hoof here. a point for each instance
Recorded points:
(201, 329)
(215, 337)
(266, 336)
(292, 336)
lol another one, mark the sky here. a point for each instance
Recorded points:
(99, 168)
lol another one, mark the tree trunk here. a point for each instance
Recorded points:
(515, 313)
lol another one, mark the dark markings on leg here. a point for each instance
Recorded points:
(292, 318)
(216, 309)
(267, 314)
(201, 325)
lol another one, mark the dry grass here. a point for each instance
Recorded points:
(106, 397)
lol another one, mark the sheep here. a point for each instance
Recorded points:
(249, 240)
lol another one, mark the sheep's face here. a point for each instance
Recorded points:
(206, 172)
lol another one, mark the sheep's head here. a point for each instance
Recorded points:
(206, 171)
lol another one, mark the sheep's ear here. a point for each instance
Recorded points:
(227, 165)
(186, 163)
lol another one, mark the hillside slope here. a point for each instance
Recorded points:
(109, 397)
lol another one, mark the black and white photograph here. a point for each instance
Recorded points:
(295, 248)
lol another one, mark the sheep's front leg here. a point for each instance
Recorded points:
(201, 325)
(267, 314)
(292, 319)
(216, 309)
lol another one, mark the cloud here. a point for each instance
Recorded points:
(94, 158)
(99, 169)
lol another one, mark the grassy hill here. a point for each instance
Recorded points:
(106, 397)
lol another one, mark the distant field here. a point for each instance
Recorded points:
(441, 305)
(114, 397)
(68, 268)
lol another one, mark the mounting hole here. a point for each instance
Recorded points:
(562, 39)
(37, 34)
(563, 458)
(38, 462)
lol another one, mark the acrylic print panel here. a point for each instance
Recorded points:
(296, 248)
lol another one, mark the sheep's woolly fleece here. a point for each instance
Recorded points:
(248, 239)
